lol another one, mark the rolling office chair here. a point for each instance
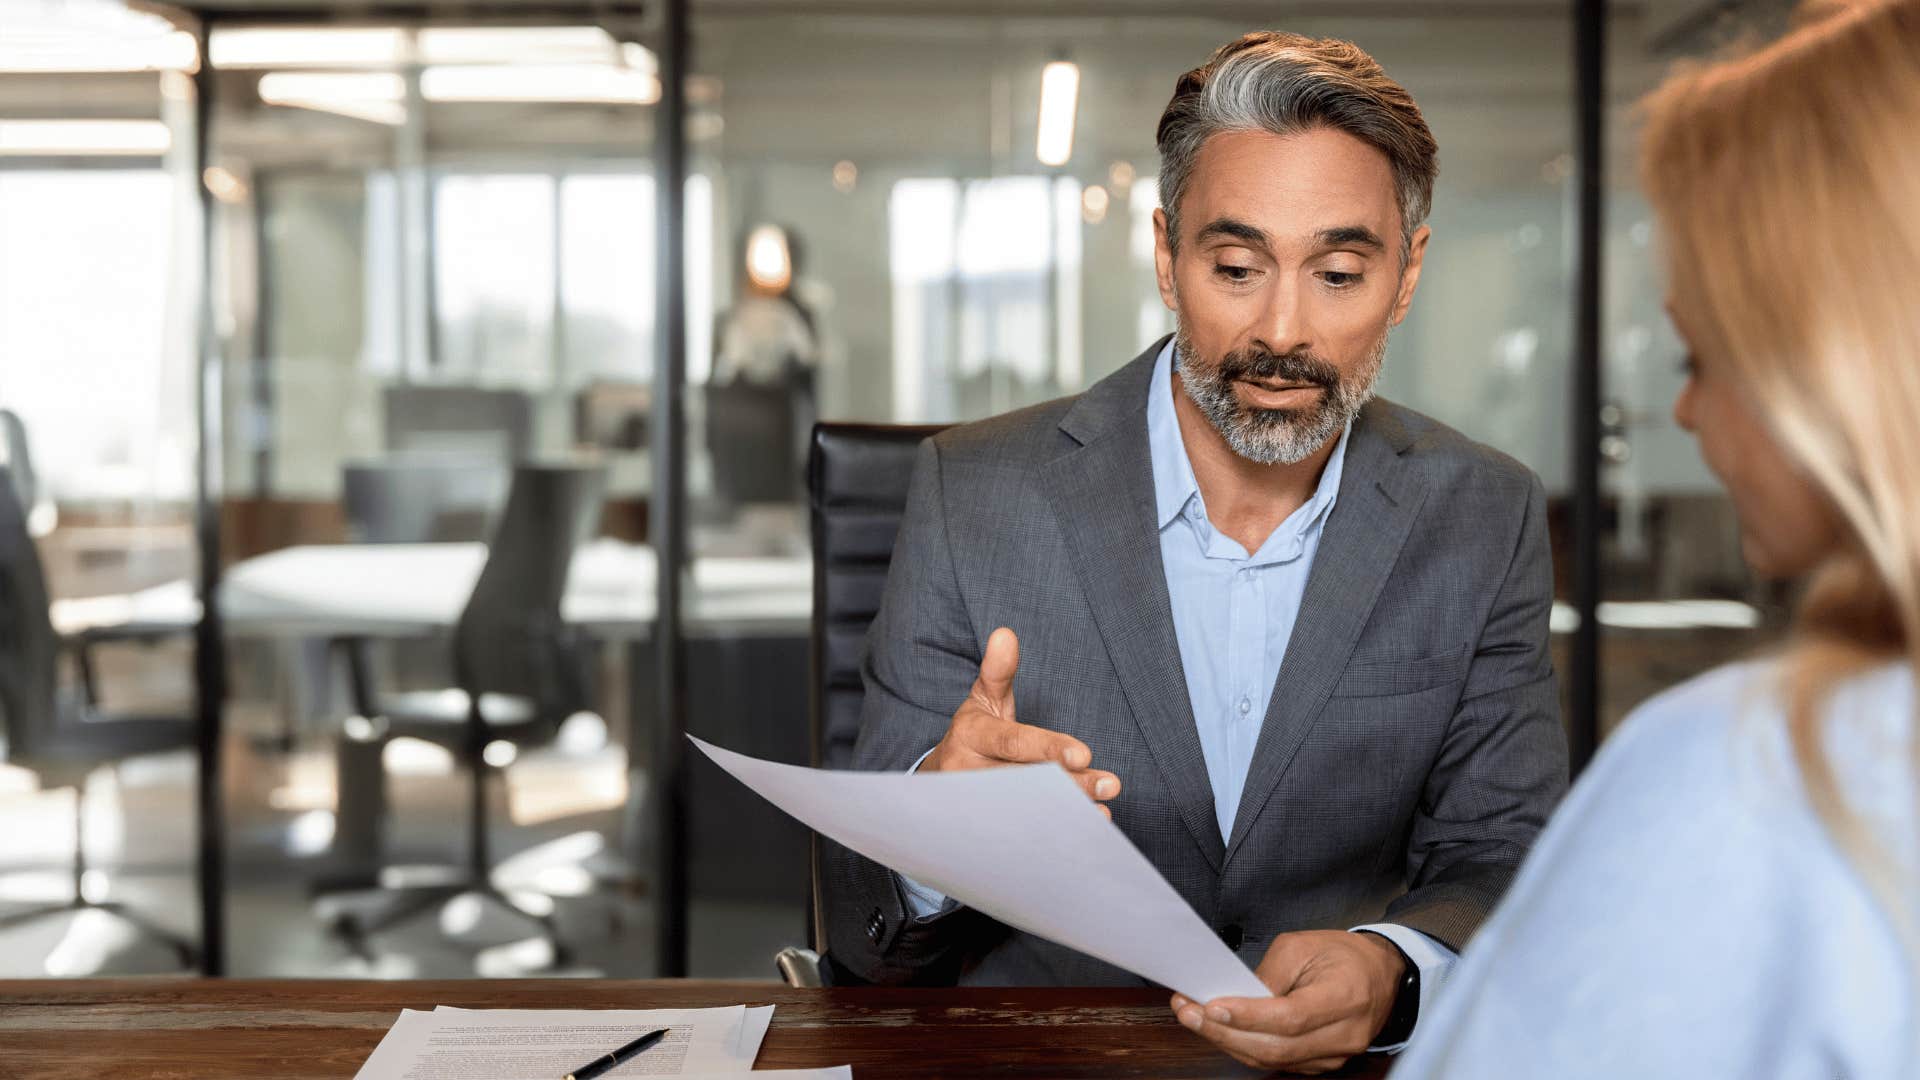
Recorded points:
(16, 455)
(63, 736)
(752, 442)
(412, 499)
(520, 671)
(857, 476)
(405, 499)
(468, 421)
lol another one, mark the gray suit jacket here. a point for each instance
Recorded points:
(1412, 747)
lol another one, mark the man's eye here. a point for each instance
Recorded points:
(1233, 273)
(1339, 279)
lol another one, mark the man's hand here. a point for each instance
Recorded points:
(1334, 990)
(984, 733)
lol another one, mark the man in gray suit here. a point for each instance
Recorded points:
(1292, 638)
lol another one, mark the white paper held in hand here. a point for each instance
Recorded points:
(1022, 844)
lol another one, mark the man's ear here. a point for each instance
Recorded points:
(1163, 260)
(1410, 273)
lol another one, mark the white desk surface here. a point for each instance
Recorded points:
(328, 590)
(418, 589)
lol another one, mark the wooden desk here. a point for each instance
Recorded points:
(301, 1029)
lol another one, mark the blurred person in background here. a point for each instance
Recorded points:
(768, 337)
(1731, 889)
(760, 402)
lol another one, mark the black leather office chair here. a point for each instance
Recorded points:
(18, 460)
(422, 499)
(411, 499)
(470, 421)
(519, 672)
(857, 476)
(60, 733)
(16, 455)
(751, 439)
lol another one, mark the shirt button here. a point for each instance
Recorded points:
(1245, 706)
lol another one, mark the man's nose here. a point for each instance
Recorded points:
(1285, 322)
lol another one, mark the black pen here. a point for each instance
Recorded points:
(606, 1063)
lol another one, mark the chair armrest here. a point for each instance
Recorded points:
(799, 967)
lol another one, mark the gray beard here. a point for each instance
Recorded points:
(1275, 436)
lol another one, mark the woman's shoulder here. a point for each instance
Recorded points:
(1703, 793)
(1690, 909)
(1700, 796)
(1728, 729)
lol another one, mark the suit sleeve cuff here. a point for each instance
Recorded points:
(1434, 960)
(927, 903)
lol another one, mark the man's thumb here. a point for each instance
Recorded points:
(997, 667)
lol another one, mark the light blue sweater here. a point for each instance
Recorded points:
(1686, 914)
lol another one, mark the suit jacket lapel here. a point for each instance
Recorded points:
(1380, 496)
(1103, 495)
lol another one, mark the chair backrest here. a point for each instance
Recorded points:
(19, 459)
(470, 421)
(857, 477)
(418, 500)
(752, 442)
(29, 648)
(511, 638)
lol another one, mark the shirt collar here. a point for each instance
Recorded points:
(1174, 485)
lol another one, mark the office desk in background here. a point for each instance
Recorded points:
(400, 590)
(409, 590)
(131, 1029)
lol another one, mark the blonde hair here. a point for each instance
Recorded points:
(1787, 183)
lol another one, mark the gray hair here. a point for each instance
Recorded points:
(1287, 84)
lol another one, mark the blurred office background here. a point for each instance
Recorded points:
(430, 273)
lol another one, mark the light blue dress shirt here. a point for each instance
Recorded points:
(1233, 614)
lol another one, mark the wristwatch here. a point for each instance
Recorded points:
(1406, 1002)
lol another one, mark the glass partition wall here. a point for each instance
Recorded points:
(449, 233)
(98, 280)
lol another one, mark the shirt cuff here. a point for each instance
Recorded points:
(1434, 960)
(926, 903)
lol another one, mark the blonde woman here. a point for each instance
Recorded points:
(1730, 891)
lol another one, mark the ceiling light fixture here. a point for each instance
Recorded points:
(1059, 99)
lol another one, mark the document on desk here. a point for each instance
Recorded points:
(1022, 844)
(545, 1044)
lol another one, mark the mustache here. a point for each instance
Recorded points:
(1265, 365)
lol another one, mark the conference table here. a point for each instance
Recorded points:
(408, 590)
(418, 589)
(204, 1029)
